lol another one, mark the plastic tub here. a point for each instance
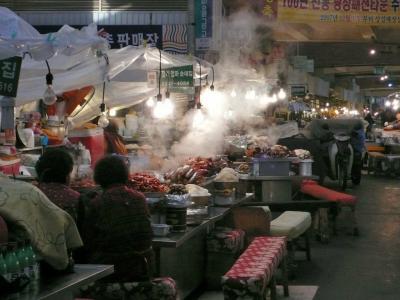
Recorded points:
(176, 217)
(160, 229)
(10, 167)
(270, 167)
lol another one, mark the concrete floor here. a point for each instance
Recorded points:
(356, 268)
(365, 267)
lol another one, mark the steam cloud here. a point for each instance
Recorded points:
(241, 93)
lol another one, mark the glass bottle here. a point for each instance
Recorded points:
(12, 262)
(33, 263)
(3, 266)
(23, 258)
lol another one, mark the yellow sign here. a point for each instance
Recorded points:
(356, 12)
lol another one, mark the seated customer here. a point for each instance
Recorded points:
(54, 169)
(116, 229)
(30, 215)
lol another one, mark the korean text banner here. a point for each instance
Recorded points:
(204, 24)
(358, 12)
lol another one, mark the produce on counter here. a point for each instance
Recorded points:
(195, 170)
(244, 168)
(178, 189)
(227, 175)
(146, 183)
(302, 154)
(197, 191)
(278, 151)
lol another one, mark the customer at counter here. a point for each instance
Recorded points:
(54, 170)
(116, 229)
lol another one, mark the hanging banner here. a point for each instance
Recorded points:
(9, 76)
(177, 78)
(204, 24)
(362, 12)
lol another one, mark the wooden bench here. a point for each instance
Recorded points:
(254, 271)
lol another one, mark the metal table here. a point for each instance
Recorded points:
(274, 188)
(183, 253)
(64, 286)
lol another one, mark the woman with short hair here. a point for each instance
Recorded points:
(116, 229)
(54, 170)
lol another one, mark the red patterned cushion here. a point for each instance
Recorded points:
(226, 240)
(312, 188)
(251, 273)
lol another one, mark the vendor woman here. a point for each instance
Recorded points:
(396, 123)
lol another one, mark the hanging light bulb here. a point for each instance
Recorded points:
(168, 107)
(103, 120)
(113, 112)
(274, 98)
(49, 96)
(150, 102)
(212, 83)
(281, 94)
(250, 95)
(388, 103)
(198, 118)
(233, 93)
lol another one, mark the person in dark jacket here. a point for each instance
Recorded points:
(54, 169)
(116, 226)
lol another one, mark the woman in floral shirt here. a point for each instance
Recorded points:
(54, 169)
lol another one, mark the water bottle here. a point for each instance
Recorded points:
(3, 268)
(34, 270)
(12, 263)
(23, 258)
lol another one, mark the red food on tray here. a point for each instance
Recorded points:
(146, 183)
(195, 170)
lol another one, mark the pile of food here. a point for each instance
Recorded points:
(195, 170)
(227, 175)
(244, 168)
(278, 151)
(197, 191)
(146, 183)
(178, 189)
(302, 154)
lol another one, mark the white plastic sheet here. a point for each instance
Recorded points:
(17, 37)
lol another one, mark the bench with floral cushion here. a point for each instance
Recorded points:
(254, 271)
(224, 245)
(157, 289)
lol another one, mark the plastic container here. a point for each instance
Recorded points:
(92, 139)
(10, 167)
(176, 217)
(270, 167)
(160, 229)
(305, 167)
